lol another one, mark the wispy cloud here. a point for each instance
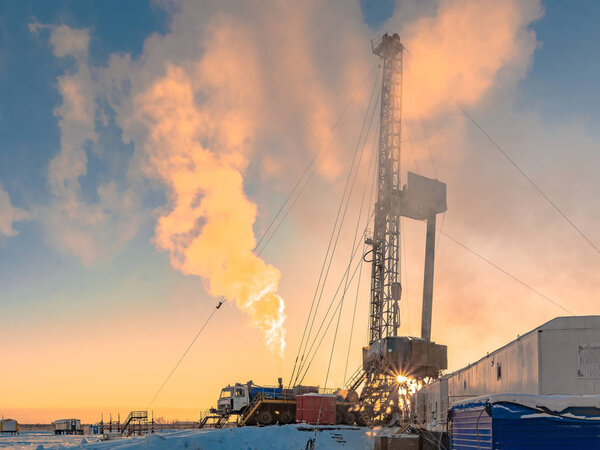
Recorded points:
(10, 214)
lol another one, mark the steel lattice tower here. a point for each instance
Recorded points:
(389, 360)
(385, 288)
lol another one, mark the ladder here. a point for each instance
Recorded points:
(355, 379)
(256, 402)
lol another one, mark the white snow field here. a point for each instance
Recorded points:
(43, 439)
(293, 437)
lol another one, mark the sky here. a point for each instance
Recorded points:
(146, 146)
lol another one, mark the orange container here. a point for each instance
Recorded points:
(315, 409)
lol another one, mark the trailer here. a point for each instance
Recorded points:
(67, 426)
(252, 404)
(9, 426)
(561, 356)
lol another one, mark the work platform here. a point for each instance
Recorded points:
(408, 356)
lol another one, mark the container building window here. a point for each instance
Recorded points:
(589, 361)
(498, 371)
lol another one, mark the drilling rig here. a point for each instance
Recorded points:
(390, 360)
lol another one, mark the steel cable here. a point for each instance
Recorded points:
(324, 273)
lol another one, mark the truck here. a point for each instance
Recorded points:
(253, 404)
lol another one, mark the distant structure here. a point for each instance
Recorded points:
(67, 426)
(9, 426)
(135, 423)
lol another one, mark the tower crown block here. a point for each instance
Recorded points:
(388, 45)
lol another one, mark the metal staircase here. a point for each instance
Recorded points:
(355, 379)
(218, 420)
(249, 412)
(137, 421)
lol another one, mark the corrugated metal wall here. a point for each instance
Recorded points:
(519, 427)
(516, 427)
(471, 429)
(546, 434)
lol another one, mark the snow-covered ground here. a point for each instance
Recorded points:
(293, 437)
(42, 439)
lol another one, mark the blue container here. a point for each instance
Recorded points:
(513, 421)
(267, 392)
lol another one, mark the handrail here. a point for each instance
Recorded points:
(251, 409)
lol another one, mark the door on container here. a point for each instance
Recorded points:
(73, 425)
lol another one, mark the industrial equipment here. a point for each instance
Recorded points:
(67, 426)
(561, 356)
(135, 423)
(260, 405)
(390, 359)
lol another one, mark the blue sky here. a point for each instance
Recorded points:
(564, 78)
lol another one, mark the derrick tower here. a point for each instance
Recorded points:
(385, 288)
(391, 360)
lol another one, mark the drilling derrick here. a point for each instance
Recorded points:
(385, 288)
(390, 360)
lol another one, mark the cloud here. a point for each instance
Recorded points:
(227, 108)
(207, 225)
(231, 85)
(87, 229)
(10, 214)
(64, 40)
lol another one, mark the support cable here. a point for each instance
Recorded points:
(314, 353)
(339, 229)
(310, 350)
(524, 174)
(308, 173)
(331, 250)
(367, 183)
(510, 275)
(221, 301)
(348, 267)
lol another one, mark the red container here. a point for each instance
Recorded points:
(315, 409)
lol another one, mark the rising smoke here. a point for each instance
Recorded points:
(207, 227)
(202, 100)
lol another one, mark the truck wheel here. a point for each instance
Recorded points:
(352, 397)
(349, 418)
(339, 418)
(285, 418)
(265, 417)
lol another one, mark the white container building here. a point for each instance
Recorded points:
(560, 357)
(9, 426)
(67, 426)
